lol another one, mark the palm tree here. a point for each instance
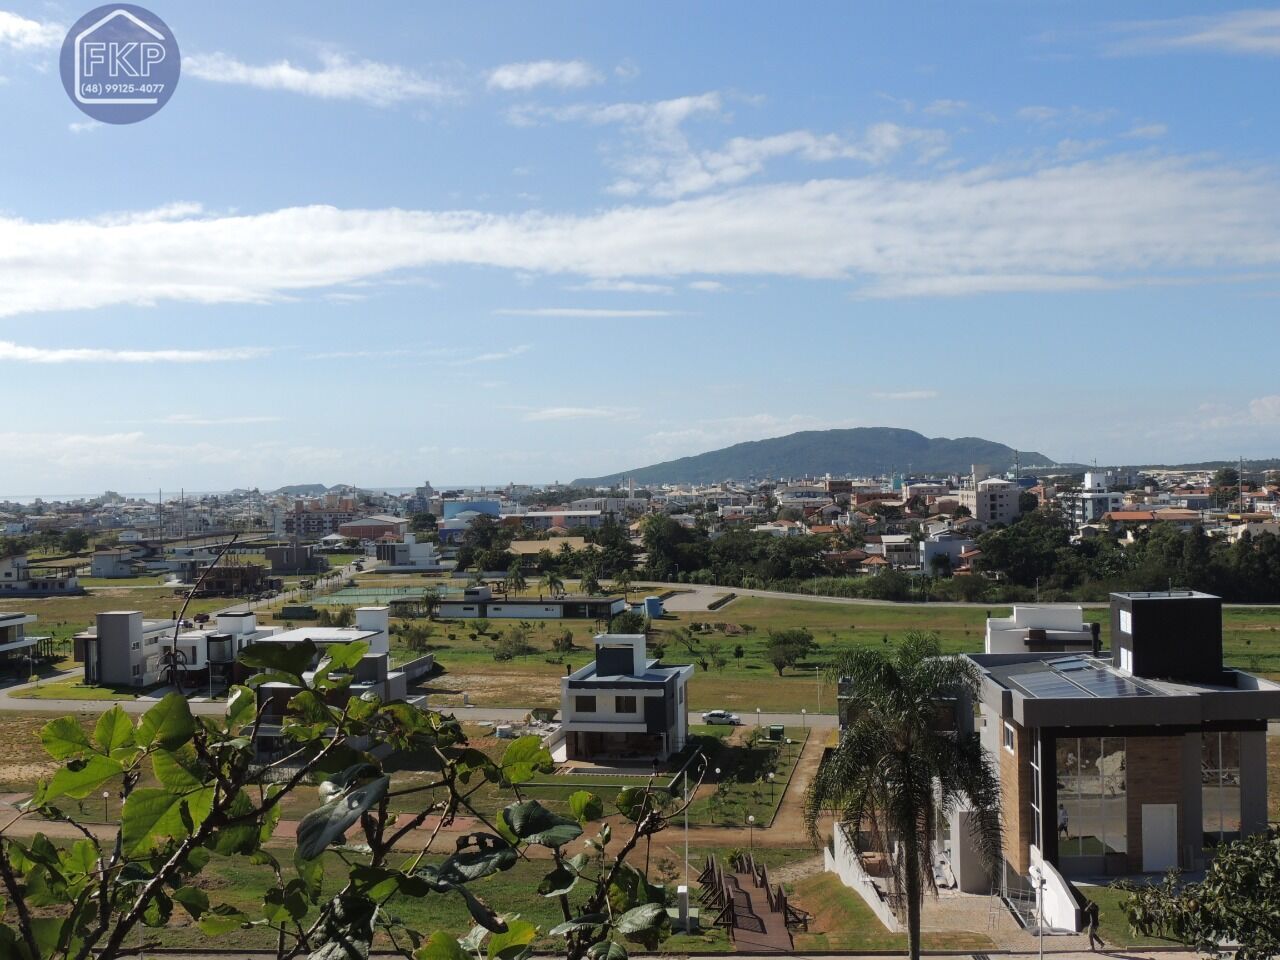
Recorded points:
(515, 578)
(552, 583)
(895, 771)
(622, 581)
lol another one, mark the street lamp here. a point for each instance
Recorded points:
(770, 779)
(757, 716)
(789, 742)
(804, 715)
(105, 797)
(751, 831)
(1037, 877)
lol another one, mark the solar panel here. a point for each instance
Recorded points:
(1048, 685)
(1099, 683)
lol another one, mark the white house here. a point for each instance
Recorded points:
(1036, 629)
(17, 579)
(623, 706)
(408, 556)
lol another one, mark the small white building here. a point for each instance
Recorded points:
(18, 579)
(1039, 629)
(407, 556)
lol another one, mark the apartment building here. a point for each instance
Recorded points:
(992, 501)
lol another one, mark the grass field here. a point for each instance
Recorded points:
(1112, 923)
(75, 690)
(842, 921)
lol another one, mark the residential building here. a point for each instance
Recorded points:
(408, 556)
(295, 558)
(16, 646)
(562, 519)
(945, 543)
(992, 501)
(124, 650)
(1044, 629)
(480, 602)
(113, 564)
(19, 579)
(375, 527)
(623, 706)
(313, 519)
(1140, 760)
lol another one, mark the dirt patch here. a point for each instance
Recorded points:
(489, 689)
(800, 870)
(24, 773)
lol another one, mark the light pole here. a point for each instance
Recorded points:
(1037, 877)
(105, 797)
(717, 790)
(757, 716)
(751, 831)
(789, 742)
(817, 678)
(804, 716)
(770, 779)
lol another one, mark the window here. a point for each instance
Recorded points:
(1009, 736)
(1220, 779)
(584, 704)
(624, 704)
(1037, 804)
(1091, 818)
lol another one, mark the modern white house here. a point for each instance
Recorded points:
(407, 556)
(480, 602)
(16, 646)
(19, 579)
(623, 706)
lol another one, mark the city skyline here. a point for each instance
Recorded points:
(484, 246)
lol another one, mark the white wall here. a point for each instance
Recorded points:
(1060, 910)
(605, 711)
(842, 860)
(378, 619)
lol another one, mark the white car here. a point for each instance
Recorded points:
(721, 716)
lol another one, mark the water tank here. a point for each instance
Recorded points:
(653, 607)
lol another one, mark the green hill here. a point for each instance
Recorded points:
(860, 451)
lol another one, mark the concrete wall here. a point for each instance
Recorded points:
(841, 859)
(1061, 912)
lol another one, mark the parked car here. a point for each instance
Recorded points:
(721, 716)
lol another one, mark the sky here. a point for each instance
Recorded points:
(492, 242)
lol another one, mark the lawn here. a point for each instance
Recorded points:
(742, 788)
(75, 690)
(1113, 925)
(842, 921)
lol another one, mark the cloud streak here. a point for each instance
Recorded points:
(20, 33)
(1148, 219)
(583, 312)
(17, 353)
(560, 74)
(337, 78)
(1253, 32)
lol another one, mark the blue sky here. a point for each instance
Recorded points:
(489, 242)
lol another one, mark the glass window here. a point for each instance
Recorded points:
(1037, 804)
(584, 704)
(1009, 737)
(624, 704)
(1220, 779)
(1091, 818)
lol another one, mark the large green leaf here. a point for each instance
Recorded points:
(579, 923)
(343, 656)
(608, 951)
(158, 910)
(514, 943)
(532, 822)
(242, 706)
(287, 903)
(644, 917)
(153, 814)
(329, 822)
(293, 660)
(635, 802)
(347, 931)
(242, 837)
(168, 724)
(441, 946)
(79, 778)
(194, 900)
(478, 855)
(558, 882)
(64, 737)
(179, 769)
(586, 806)
(222, 919)
(114, 732)
(524, 757)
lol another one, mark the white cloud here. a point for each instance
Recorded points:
(621, 286)
(708, 286)
(576, 413)
(19, 33)
(84, 126)
(562, 74)
(945, 108)
(1236, 31)
(1146, 131)
(573, 312)
(494, 356)
(657, 157)
(1148, 219)
(195, 420)
(715, 432)
(17, 353)
(905, 395)
(338, 78)
(1265, 409)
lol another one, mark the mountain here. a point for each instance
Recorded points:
(303, 490)
(860, 451)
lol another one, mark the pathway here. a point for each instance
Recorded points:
(757, 928)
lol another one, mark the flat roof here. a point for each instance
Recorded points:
(319, 635)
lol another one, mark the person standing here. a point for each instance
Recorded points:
(1091, 920)
(1063, 822)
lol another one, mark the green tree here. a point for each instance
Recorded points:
(207, 793)
(627, 622)
(74, 540)
(622, 581)
(515, 578)
(1237, 901)
(896, 769)
(552, 582)
(786, 648)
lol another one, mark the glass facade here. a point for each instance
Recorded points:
(1091, 818)
(1220, 785)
